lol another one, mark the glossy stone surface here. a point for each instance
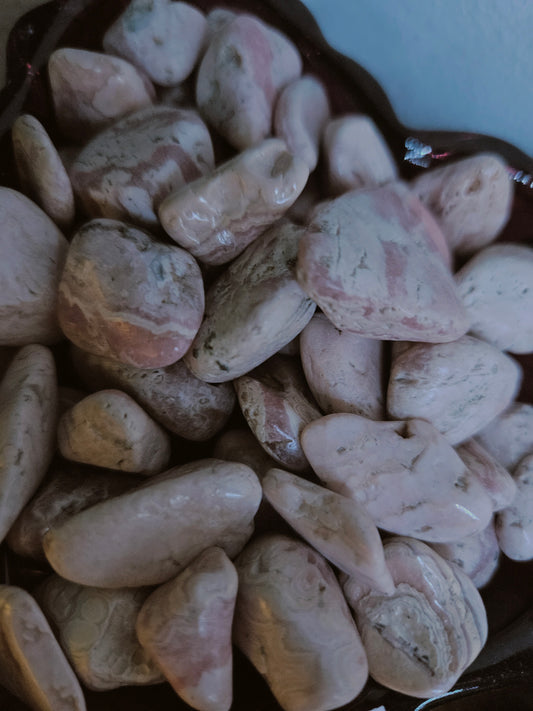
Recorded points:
(34, 251)
(126, 171)
(184, 404)
(301, 112)
(246, 64)
(514, 525)
(33, 666)
(162, 37)
(91, 90)
(252, 310)
(185, 625)
(370, 261)
(123, 295)
(406, 474)
(509, 437)
(496, 287)
(471, 199)
(96, 629)
(108, 429)
(420, 639)
(218, 216)
(338, 527)
(496, 480)
(356, 155)
(277, 405)
(459, 387)
(342, 369)
(151, 533)
(293, 623)
(41, 170)
(28, 417)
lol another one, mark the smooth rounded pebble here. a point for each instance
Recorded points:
(184, 404)
(218, 216)
(406, 474)
(108, 429)
(148, 535)
(126, 171)
(509, 437)
(292, 622)
(162, 37)
(496, 480)
(125, 296)
(186, 624)
(514, 525)
(28, 418)
(459, 387)
(41, 170)
(34, 252)
(252, 310)
(420, 639)
(471, 199)
(33, 666)
(96, 629)
(370, 261)
(91, 90)
(496, 287)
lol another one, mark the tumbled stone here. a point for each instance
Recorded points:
(477, 555)
(302, 208)
(125, 296)
(406, 474)
(96, 629)
(217, 19)
(28, 393)
(34, 252)
(420, 639)
(293, 623)
(277, 405)
(459, 387)
(90, 90)
(338, 527)
(162, 37)
(370, 261)
(148, 535)
(514, 525)
(184, 404)
(496, 480)
(496, 287)
(471, 199)
(185, 625)
(342, 369)
(356, 155)
(253, 309)
(509, 436)
(109, 429)
(33, 666)
(302, 110)
(126, 171)
(246, 64)
(218, 216)
(67, 489)
(240, 445)
(41, 170)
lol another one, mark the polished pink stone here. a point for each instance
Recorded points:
(496, 480)
(514, 524)
(509, 437)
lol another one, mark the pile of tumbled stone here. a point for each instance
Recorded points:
(203, 268)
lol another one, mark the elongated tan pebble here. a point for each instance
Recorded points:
(509, 437)
(218, 216)
(420, 639)
(91, 90)
(148, 535)
(459, 387)
(185, 626)
(108, 429)
(292, 622)
(406, 474)
(252, 310)
(338, 527)
(28, 418)
(33, 253)
(514, 524)
(496, 480)
(41, 170)
(33, 666)
(96, 629)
